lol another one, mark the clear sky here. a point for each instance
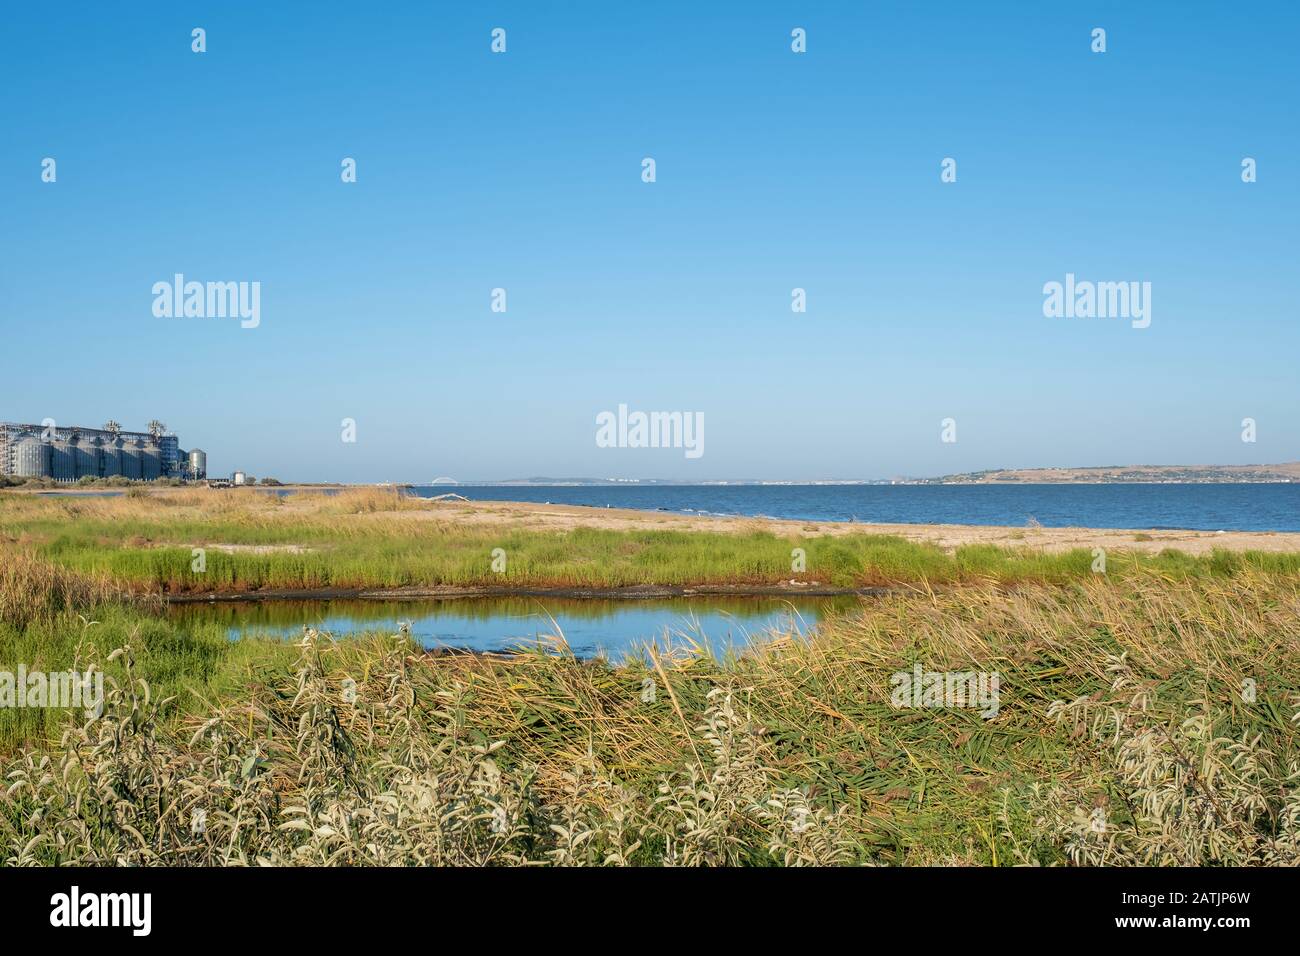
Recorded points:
(774, 170)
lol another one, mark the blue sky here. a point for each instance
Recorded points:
(775, 170)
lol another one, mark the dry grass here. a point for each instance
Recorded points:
(1128, 696)
(31, 589)
(371, 538)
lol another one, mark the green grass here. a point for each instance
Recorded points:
(349, 542)
(1154, 664)
(196, 664)
(1161, 645)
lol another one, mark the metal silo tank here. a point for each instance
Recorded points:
(198, 463)
(63, 460)
(151, 462)
(31, 458)
(132, 454)
(111, 455)
(87, 460)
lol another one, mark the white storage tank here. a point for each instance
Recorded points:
(63, 460)
(111, 456)
(86, 456)
(151, 462)
(31, 458)
(132, 454)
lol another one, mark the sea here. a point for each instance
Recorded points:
(1199, 507)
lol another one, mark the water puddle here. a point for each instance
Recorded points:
(589, 626)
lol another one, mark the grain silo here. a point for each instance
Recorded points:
(31, 458)
(74, 452)
(111, 456)
(151, 461)
(132, 454)
(86, 458)
(198, 463)
(63, 460)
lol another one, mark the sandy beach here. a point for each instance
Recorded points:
(948, 536)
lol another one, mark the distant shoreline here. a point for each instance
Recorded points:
(70, 490)
(1280, 474)
(949, 537)
(919, 483)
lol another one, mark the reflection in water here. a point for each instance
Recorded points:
(492, 624)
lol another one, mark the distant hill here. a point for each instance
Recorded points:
(1113, 474)
(1103, 474)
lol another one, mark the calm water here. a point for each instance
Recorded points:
(1227, 507)
(493, 624)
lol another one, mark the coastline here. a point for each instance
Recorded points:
(949, 537)
(193, 546)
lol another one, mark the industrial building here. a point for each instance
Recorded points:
(67, 454)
